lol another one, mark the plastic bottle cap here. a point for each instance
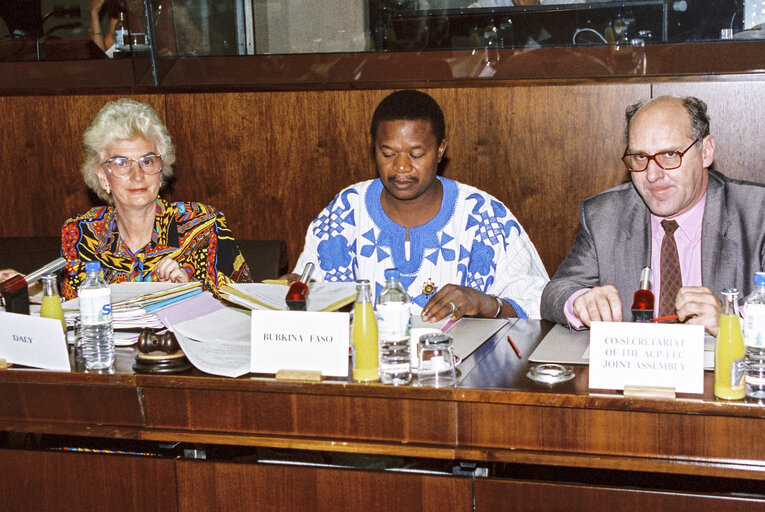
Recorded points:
(92, 266)
(759, 278)
(392, 273)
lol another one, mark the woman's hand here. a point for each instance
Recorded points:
(169, 270)
(459, 301)
(34, 289)
(7, 273)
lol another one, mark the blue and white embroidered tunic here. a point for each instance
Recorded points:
(473, 241)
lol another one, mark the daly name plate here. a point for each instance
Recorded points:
(641, 354)
(300, 340)
(33, 341)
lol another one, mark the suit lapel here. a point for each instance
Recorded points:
(716, 246)
(635, 239)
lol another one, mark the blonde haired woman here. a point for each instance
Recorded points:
(138, 236)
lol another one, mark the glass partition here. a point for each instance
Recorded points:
(160, 33)
(421, 24)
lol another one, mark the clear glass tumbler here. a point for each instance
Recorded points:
(436, 355)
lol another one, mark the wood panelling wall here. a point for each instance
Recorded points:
(272, 160)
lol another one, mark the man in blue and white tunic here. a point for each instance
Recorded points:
(460, 251)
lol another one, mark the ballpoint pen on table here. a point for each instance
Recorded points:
(667, 318)
(515, 347)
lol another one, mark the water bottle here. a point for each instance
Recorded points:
(121, 37)
(393, 320)
(97, 334)
(754, 339)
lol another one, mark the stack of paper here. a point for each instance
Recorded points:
(135, 305)
(217, 342)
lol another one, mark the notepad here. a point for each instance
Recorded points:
(467, 333)
(322, 296)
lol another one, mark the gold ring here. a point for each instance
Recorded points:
(454, 307)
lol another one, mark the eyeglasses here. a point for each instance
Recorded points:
(667, 160)
(120, 166)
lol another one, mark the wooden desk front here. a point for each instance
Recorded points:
(692, 453)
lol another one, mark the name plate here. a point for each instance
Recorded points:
(640, 354)
(33, 341)
(300, 340)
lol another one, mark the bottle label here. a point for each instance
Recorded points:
(95, 306)
(737, 373)
(754, 325)
(393, 321)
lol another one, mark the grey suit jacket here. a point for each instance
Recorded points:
(613, 243)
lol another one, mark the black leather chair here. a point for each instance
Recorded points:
(267, 259)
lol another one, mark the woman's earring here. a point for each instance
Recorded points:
(108, 189)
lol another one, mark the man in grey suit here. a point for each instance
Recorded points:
(720, 225)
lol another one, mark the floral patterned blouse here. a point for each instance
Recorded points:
(193, 234)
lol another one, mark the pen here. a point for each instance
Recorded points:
(664, 318)
(515, 348)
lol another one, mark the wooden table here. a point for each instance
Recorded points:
(517, 445)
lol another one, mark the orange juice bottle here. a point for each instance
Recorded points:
(366, 363)
(51, 302)
(730, 363)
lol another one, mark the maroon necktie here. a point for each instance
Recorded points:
(671, 278)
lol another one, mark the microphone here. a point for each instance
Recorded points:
(298, 292)
(15, 291)
(642, 303)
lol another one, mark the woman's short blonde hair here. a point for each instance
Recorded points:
(123, 119)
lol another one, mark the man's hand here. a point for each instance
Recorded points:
(288, 278)
(602, 303)
(459, 301)
(697, 305)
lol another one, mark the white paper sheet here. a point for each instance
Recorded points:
(468, 333)
(229, 359)
(563, 346)
(224, 325)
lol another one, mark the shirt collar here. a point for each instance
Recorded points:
(689, 223)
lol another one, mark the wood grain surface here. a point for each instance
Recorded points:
(636, 451)
(40, 160)
(227, 486)
(68, 482)
(492, 496)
